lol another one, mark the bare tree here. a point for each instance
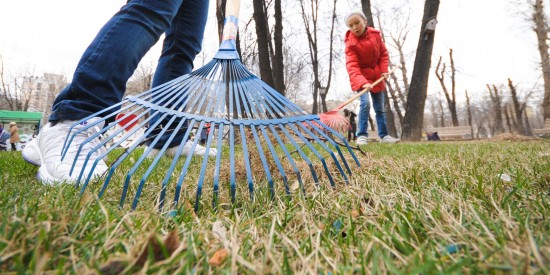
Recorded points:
(141, 80)
(270, 51)
(263, 41)
(16, 89)
(518, 108)
(469, 110)
(440, 72)
(497, 109)
(311, 23)
(416, 99)
(541, 28)
(441, 112)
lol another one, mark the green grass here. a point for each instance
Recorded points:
(410, 208)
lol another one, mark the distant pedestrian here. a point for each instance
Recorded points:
(350, 115)
(433, 136)
(4, 136)
(14, 138)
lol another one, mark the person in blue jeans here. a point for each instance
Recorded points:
(367, 60)
(100, 78)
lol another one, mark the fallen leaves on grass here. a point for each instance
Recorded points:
(153, 249)
(219, 257)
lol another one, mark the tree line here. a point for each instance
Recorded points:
(301, 65)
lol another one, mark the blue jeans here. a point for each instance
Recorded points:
(110, 60)
(379, 110)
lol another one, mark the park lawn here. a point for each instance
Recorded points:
(443, 207)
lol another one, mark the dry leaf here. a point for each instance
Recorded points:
(218, 257)
(171, 242)
(354, 214)
(295, 185)
(321, 225)
(220, 232)
(113, 267)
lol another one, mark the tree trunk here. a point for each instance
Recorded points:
(541, 29)
(390, 120)
(469, 110)
(441, 112)
(262, 33)
(517, 108)
(496, 100)
(449, 96)
(416, 99)
(365, 4)
(278, 60)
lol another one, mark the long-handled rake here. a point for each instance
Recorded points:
(334, 119)
(245, 115)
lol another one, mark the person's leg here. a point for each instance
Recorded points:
(380, 113)
(13, 147)
(182, 43)
(98, 83)
(364, 109)
(109, 61)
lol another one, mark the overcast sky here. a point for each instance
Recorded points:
(490, 41)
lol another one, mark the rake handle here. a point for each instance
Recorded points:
(232, 8)
(356, 96)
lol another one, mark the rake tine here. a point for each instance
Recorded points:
(232, 189)
(132, 170)
(186, 165)
(302, 154)
(322, 133)
(289, 157)
(276, 159)
(346, 143)
(156, 160)
(253, 112)
(164, 148)
(243, 135)
(264, 162)
(247, 162)
(210, 106)
(203, 167)
(312, 148)
(327, 149)
(102, 144)
(127, 152)
(172, 168)
(218, 163)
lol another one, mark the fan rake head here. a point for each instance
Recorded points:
(252, 128)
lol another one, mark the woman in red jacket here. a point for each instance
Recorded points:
(366, 61)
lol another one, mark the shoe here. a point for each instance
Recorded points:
(362, 140)
(187, 147)
(31, 153)
(45, 151)
(389, 139)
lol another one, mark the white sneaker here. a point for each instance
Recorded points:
(187, 147)
(31, 153)
(45, 151)
(389, 139)
(362, 140)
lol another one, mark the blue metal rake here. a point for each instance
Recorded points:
(242, 112)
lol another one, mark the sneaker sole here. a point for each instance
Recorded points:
(43, 176)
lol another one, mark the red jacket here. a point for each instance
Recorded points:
(366, 59)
